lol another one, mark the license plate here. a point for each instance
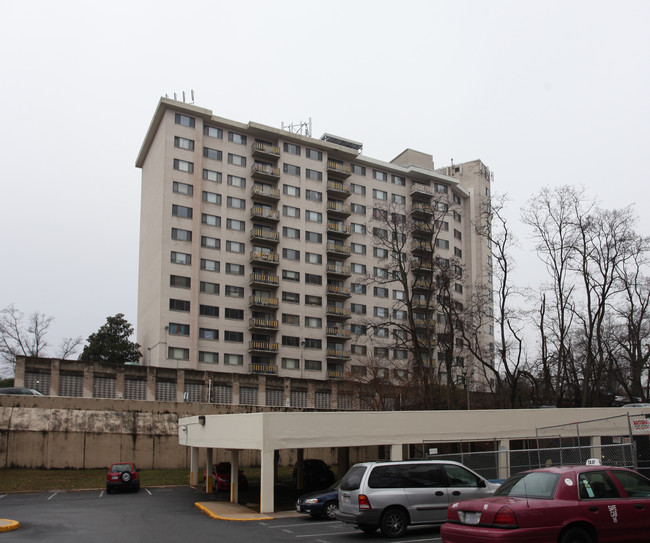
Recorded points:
(472, 517)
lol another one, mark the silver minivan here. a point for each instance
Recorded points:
(392, 495)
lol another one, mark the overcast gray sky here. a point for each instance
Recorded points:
(545, 93)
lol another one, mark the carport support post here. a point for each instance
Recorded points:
(596, 450)
(300, 469)
(234, 476)
(503, 469)
(208, 470)
(266, 481)
(194, 466)
(396, 452)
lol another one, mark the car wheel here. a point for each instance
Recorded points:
(576, 535)
(330, 509)
(393, 523)
(368, 530)
(126, 477)
(108, 490)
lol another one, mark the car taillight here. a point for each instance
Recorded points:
(505, 517)
(364, 503)
(452, 513)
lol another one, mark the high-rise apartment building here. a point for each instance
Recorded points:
(280, 258)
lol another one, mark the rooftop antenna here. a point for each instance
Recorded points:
(303, 128)
(183, 95)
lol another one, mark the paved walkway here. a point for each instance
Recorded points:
(222, 510)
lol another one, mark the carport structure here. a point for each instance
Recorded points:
(271, 431)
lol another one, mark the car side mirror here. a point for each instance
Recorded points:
(482, 483)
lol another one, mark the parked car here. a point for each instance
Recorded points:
(393, 495)
(322, 503)
(567, 504)
(122, 475)
(21, 391)
(637, 405)
(317, 474)
(221, 477)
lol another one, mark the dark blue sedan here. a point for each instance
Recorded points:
(322, 503)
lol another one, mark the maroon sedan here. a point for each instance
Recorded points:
(568, 504)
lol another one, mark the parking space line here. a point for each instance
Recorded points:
(3, 496)
(52, 496)
(147, 491)
(333, 533)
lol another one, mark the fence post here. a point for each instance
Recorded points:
(503, 459)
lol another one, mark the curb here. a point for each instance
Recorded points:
(243, 518)
(7, 525)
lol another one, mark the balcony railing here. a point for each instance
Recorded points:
(336, 269)
(333, 311)
(421, 209)
(256, 367)
(263, 301)
(420, 188)
(265, 171)
(339, 332)
(336, 187)
(265, 324)
(259, 256)
(338, 355)
(336, 374)
(336, 228)
(338, 248)
(264, 193)
(264, 279)
(263, 346)
(335, 290)
(264, 235)
(337, 208)
(422, 246)
(338, 168)
(259, 212)
(265, 150)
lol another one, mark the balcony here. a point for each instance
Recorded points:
(260, 257)
(423, 246)
(265, 151)
(337, 269)
(262, 324)
(423, 284)
(336, 188)
(338, 374)
(264, 194)
(263, 301)
(423, 227)
(422, 323)
(264, 171)
(420, 189)
(421, 210)
(338, 332)
(337, 312)
(423, 304)
(337, 229)
(334, 291)
(259, 234)
(336, 354)
(268, 369)
(338, 169)
(422, 265)
(262, 347)
(265, 214)
(338, 209)
(338, 249)
(264, 279)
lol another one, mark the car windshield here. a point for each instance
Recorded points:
(530, 485)
(121, 468)
(352, 478)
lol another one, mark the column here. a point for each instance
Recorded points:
(208, 470)
(194, 466)
(503, 456)
(266, 482)
(300, 469)
(396, 452)
(55, 371)
(234, 476)
(89, 372)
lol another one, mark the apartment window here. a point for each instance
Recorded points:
(213, 131)
(234, 314)
(234, 292)
(179, 305)
(313, 216)
(358, 349)
(236, 160)
(182, 188)
(313, 343)
(442, 226)
(176, 329)
(213, 154)
(313, 322)
(292, 149)
(183, 166)
(457, 216)
(209, 310)
(234, 269)
(237, 138)
(358, 309)
(380, 331)
(181, 211)
(313, 237)
(183, 143)
(181, 258)
(357, 288)
(381, 292)
(381, 352)
(237, 203)
(211, 220)
(180, 281)
(291, 233)
(234, 224)
(312, 258)
(358, 248)
(211, 197)
(442, 262)
(291, 297)
(379, 214)
(181, 235)
(313, 279)
(489, 261)
(235, 181)
(399, 295)
(442, 243)
(314, 154)
(314, 175)
(291, 254)
(456, 199)
(208, 357)
(288, 318)
(210, 243)
(234, 337)
(358, 329)
(210, 265)
(358, 209)
(458, 288)
(290, 190)
(233, 359)
(399, 314)
(314, 195)
(458, 253)
(400, 354)
(290, 211)
(358, 268)
(398, 199)
(358, 170)
(209, 333)
(379, 176)
(291, 341)
(379, 194)
(209, 288)
(380, 311)
(398, 180)
(358, 228)
(211, 175)
(235, 247)
(381, 233)
(290, 275)
(290, 169)
(184, 120)
(178, 353)
(458, 234)
(442, 189)
(316, 301)
(289, 364)
(355, 188)
(458, 270)
(380, 252)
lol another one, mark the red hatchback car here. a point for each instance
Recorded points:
(122, 475)
(567, 504)
(221, 477)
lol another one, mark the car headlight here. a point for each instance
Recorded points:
(312, 500)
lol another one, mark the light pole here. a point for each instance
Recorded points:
(466, 381)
